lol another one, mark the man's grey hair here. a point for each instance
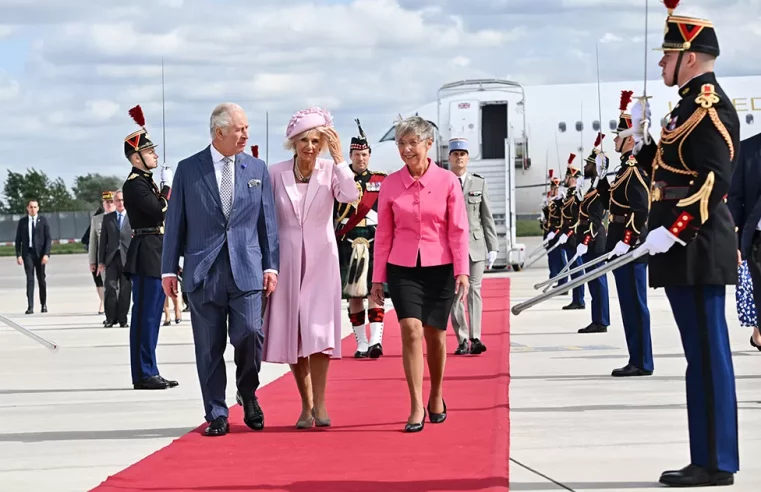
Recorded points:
(415, 125)
(221, 117)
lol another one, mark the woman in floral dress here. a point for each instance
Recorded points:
(746, 306)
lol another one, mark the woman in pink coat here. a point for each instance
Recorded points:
(302, 321)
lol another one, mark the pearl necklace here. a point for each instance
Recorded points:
(297, 174)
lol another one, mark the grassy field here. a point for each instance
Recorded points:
(525, 227)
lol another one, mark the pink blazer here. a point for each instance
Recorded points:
(426, 215)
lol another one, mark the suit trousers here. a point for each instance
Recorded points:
(217, 306)
(33, 265)
(578, 292)
(557, 260)
(631, 284)
(148, 296)
(118, 289)
(699, 312)
(598, 289)
(470, 330)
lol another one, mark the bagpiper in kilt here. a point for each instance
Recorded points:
(569, 213)
(628, 198)
(691, 174)
(355, 231)
(592, 234)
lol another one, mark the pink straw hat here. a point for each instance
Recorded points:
(306, 119)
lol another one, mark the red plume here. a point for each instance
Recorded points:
(626, 98)
(598, 141)
(255, 151)
(671, 5)
(137, 115)
(552, 173)
(571, 158)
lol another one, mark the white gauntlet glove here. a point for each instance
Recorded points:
(491, 258)
(563, 238)
(621, 248)
(166, 176)
(581, 249)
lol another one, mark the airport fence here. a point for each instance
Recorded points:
(65, 227)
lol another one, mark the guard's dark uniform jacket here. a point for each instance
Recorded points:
(628, 200)
(591, 229)
(569, 212)
(369, 185)
(544, 223)
(146, 208)
(692, 171)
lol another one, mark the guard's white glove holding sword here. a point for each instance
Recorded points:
(658, 241)
(621, 248)
(166, 176)
(490, 259)
(640, 112)
(601, 166)
(551, 236)
(563, 238)
(581, 249)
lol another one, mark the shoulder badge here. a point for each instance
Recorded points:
(631, 161)
(707, 97)
(133, 176)
(379, 173)
(477, 175)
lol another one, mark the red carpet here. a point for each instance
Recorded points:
(365, 450)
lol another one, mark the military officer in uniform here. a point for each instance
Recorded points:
(484, 247)
(569, 213)
(592, 237)
(146, 207)
(556, 258)
(96, 223)
(355, 230)
(692, 240)
(628, 198)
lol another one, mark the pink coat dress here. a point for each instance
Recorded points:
(303, 315)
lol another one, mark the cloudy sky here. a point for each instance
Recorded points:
(70, 69)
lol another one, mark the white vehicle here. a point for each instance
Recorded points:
(541, 126)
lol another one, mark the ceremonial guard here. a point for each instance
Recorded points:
(146, 207)
(569, 213)
(692, 240)
(556, 257)
(592, 235)
(483, 248)
(355, 230)
(628, 199)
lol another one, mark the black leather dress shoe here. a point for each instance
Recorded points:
(375, 351)
(360, 355)
(477, 347)
(218, 427)
(594, 328)
(437, 418)
(170, 382)
(44, 309)
(696, 476)
(629, 370)
(29, 311)
(415, 427)
(574, 305)
(462, 349)
(151, 383)
(253, 416)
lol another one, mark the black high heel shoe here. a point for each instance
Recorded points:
(415, 427)
(437, 418)
(753, 344)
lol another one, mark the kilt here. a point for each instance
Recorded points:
(345, 250)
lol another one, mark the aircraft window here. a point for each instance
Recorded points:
(749, 119)
(596, 125)
(390, 135)
(562, 127)
(613, 124)
(579, 126)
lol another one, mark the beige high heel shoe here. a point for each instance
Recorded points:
(320, 422)
(306, 424)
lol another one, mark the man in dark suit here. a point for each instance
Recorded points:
(745, 204)
(222, 220)
(115, 238)
(33, 250)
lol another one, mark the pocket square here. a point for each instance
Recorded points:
(254, 182)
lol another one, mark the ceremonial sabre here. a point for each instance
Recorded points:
(604, 170)
(564, 273)
(545, 252)
(53, 347)
(643, 100)
(163, 117)
(617, 263)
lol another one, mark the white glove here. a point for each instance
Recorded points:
(620, 249)
(491, 258)
(563, 238)
(639, 140)
(601, 165)
(166, 176)
(640, 112)
(581, 249)
(551, 236)
(659, 241)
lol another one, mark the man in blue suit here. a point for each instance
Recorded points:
(221, 219)
(745, 204)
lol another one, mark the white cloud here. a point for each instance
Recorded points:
(88, 62)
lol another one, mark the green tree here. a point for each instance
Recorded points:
(35, 185)
(88, 188)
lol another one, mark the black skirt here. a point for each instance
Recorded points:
(424, 293)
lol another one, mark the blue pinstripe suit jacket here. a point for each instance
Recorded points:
(196, 227)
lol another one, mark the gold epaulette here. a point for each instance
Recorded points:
(707, 97)
(132, 176)
(380, 173)
(701, 196)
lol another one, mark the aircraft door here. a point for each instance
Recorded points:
(464, 119)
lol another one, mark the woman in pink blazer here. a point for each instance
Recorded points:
(302, 320)
(421, 251)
